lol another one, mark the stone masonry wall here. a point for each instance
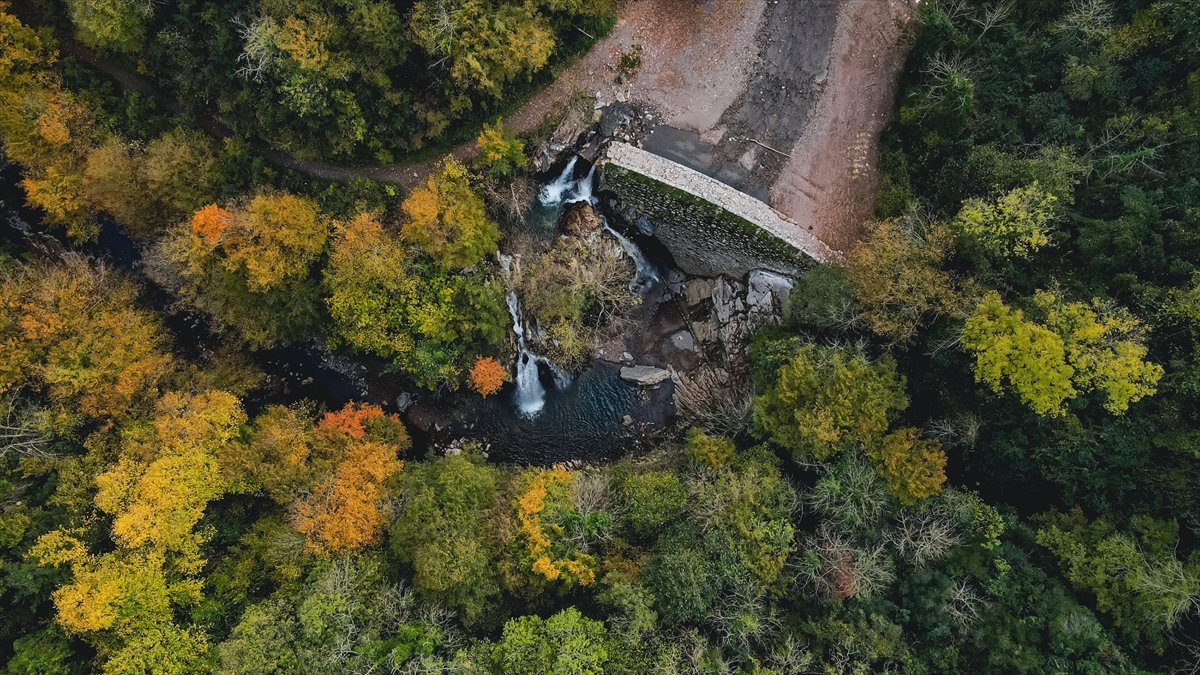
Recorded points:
(709, 227)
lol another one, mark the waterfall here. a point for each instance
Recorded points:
(552, 193)
(645, 273)
(567, 190)
(583, 189)
(530, 396)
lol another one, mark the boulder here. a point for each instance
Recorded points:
(580, 219)
(645, 376)
(696, 291)
(405, 401)
(727, 297)
(705, 331)
(767, 297)
(684, 341)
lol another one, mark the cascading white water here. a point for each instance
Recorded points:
(645, 273)
(584, 191)
(530, 396)
(552, 194)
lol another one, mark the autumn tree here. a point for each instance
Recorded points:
(45, 129)
(500, 151)
(157, 503)
(826, 400)
(899, 278)
(343, 507)
(1062, 350)
(278, 457)
(560, 516)
(488, 376)
(447, 219)
(913, 467)
(73, 332)
(112, 181)
(181, 170)
(423, 318)
(247, 265)
(156, 493)
(1016, 225)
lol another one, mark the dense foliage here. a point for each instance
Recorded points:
(972, 448)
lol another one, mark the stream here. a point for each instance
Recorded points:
(543, 416)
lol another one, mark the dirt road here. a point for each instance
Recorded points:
(829, 182)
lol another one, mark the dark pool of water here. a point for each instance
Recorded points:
(585, 421)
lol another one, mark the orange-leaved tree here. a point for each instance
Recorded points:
(343, 508)
(488, 376)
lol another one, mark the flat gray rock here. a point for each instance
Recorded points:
(645, 376)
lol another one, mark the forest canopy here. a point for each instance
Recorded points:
(971, 447)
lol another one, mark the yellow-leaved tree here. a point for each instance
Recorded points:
(74, 334)
(1059, 350)
(447, 219)
(124, 600)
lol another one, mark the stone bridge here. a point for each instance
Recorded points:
(709, 227)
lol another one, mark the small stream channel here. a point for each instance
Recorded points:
(543, 416)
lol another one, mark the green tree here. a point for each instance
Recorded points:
(423, 318)
(484, 45)
(1075, 348)
(111, 25)
(746, 509)
(346, 617)
(1015, 225)
(442, 530)
(567, 643)
(652, 500)
(1137, 579)
(827, 400)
